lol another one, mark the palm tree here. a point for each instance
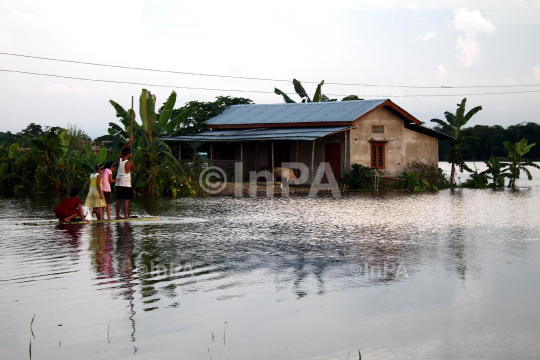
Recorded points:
(452, 127)
(317, 97)
(517, 162)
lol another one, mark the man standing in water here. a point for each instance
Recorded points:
(124, 191)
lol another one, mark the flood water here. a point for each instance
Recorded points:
(450, 275)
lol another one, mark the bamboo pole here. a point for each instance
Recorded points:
(345, 156)
(131, 137)
(256, 155)
(312, 162)
(297, 147)
(242, 162)
(273, 179)
(180, 151)
(212, 151)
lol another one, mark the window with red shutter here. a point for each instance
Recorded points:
(377, 155)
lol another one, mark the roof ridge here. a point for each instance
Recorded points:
(309, 103)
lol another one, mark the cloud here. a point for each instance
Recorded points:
(470, 24)
(428, 35)
(441, 71)
(412, 6)
(536, 73)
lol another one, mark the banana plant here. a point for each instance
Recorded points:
(149, 150)
(516, 161)
(496, 171)
(317, 97)
(452, 126)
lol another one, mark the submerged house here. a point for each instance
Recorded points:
(374, 133)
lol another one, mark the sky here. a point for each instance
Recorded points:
(384, 43)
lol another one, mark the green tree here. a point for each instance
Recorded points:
(452, 127)
(202, 111)
(152, 156)
(317, 97)
(517, 162)
(49, 149)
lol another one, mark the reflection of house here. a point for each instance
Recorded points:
(374, 133)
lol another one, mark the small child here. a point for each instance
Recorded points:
(107, 180)
(70, 208)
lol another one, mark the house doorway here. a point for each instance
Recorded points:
(332, 155)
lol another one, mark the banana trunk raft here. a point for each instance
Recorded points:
(153, 218)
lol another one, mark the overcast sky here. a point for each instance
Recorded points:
(419, 43)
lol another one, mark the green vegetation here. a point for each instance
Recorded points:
(516, 161)
(419, 177)
(452, 127)
(495, 173)
(317, 97)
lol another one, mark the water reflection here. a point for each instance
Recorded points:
(261, 264)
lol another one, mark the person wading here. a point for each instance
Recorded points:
(124, 191)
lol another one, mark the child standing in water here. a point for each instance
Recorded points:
(95, 197)
(107, 181)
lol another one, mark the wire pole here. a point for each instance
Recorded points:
(131, 126)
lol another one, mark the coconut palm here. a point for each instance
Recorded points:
(317, 97)
(452, 126)
(517, 162)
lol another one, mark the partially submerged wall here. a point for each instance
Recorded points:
(402, 146)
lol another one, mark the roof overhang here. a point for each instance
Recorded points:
(260, 134)
(428, 131)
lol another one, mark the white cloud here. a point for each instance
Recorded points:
(428, 35)
(412, 6)
(536, 73)
(471, 24)
(441, 71)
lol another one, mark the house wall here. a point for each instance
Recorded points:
(402, 146)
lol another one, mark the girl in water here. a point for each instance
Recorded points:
(96, 199)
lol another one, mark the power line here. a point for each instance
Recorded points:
(260, 79)
(250, 91)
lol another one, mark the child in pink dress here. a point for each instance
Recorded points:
(107, 180)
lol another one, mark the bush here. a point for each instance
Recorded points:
(431, 173)
(361, 178)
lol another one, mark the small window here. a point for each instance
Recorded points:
(377, 129)
(377, 155)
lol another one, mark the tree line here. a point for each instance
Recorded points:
(53, 159)
(489, 140)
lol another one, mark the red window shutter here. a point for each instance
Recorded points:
(377, 155)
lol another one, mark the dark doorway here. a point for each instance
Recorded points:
(282, 153)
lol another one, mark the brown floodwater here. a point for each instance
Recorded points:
(447, 275)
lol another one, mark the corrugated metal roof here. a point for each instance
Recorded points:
(328, 111)
(305, 133)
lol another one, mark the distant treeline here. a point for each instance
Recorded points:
(493, 137)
